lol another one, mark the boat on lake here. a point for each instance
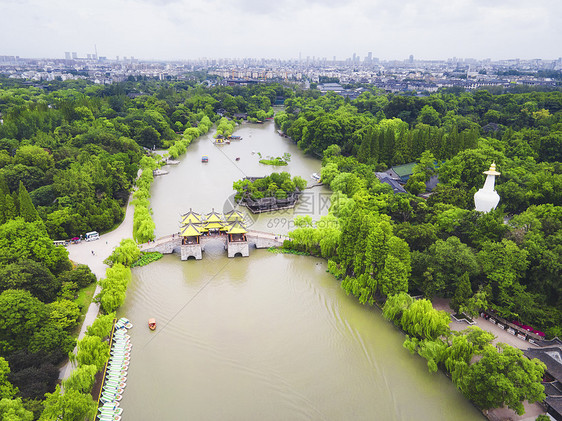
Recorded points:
(315, 176)
(204, 158)
(152, 324)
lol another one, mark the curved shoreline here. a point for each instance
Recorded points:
(93, 253)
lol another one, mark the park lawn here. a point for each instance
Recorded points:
(85, 296)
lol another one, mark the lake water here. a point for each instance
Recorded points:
(268, 337)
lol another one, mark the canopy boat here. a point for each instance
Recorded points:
(204, 158)
(152, 324)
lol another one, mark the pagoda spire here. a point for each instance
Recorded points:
(486, 199)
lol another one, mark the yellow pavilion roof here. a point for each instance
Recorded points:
(213, 217)
(237, 228)
(190, 230)
(234, 215)
(190, 216)
(214, 225)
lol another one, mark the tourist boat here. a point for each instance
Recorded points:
(238, 158)
(152, 324)
(235, 137)
(109, 417)
(204, 158)
(315, 176)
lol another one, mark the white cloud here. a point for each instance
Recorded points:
(255, 28)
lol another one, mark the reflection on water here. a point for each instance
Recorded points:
(269, 337)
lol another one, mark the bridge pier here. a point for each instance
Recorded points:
(235, 247)
(191, 250)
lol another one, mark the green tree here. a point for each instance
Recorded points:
(7, 390)
(503, 378)
(63, 313)
(503, 264)
(20, 239)
(463, 292)
(81, 379)
(81, 275)
(13, 410)
(428, 115)
(26, 208)
(127, 253)
(92, 351)
(51, 338)
(102, 326)
(447, 261)
(421, 320)
(21, 315)
(31, 276)
(395, 305)
(68, 406)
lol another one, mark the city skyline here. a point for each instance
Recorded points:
(183, 30)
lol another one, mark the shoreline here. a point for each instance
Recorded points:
(92, 254)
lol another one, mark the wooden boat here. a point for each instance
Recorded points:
(152, 324)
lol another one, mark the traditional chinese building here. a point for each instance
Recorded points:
(196, 231)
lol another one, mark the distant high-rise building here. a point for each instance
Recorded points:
(89, 56)
(354, 58)
(411, 58)
(116, 58)
(74, 55)
(67, 55)
(369, 57)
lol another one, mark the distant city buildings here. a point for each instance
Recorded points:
(408, 75)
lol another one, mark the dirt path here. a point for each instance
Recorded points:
(93, 253)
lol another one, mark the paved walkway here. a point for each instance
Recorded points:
(500, 335)
(102, 248)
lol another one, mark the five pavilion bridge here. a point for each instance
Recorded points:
(196, 231)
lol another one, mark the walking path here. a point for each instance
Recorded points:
(93, 253)
(501, 335)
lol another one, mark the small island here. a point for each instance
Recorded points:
(278, 161)
(276, 191)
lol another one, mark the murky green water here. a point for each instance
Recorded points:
(269, 337)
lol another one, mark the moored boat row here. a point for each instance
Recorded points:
(116, 373)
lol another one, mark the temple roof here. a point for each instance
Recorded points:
(237, 228)
(214, 225)
(190, 230)
(234, 215)
(190, 217)
(213, 217)
(551, 356)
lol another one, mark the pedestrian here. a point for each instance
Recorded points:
(92, 252)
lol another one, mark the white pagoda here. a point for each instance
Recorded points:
(487, 198)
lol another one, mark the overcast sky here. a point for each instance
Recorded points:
(187, 29)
